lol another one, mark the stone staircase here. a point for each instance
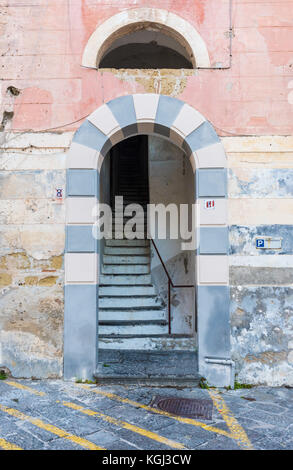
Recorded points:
(133, 320)
(129, 309)
(133, 327)
(131, 315)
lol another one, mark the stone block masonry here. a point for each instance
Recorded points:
(45, 96)
(31, 258)
(32, 269)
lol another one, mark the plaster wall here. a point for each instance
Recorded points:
(32, 244)
(41, 46)
(171, 181)
(45, 95)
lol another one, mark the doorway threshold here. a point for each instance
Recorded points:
(154, 368)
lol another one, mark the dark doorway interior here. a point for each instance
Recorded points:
(129, 171)
(144, 56)
(134, 335)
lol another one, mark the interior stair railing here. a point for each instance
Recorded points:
(170, 285)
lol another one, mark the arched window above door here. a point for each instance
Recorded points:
(147, 48)
(145, 38)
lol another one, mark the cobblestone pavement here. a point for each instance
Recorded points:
(52, 414)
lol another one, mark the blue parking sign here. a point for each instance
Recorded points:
(260, 243)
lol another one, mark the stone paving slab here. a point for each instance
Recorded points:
(126, 422)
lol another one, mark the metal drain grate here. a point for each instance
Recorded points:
(185, 407)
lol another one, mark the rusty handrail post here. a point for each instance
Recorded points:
(169, 307)
(170, 284)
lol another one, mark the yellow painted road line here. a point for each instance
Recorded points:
(8, 446)
(24, 387)
(193, 422)
(51, 428)
(107, 418)
(123, 424)
(238, 433)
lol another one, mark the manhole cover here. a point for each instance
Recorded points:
(185, 407)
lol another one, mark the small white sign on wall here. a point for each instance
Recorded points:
(209, 204)
(59, 195)
(268, 243)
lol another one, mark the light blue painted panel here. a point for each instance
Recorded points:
(214, 240)
(123, 110)
(80, 331)
(168, 110)
(262, 183)
(211, 183)
(90, 136)
(79, 239)
(242, 239)
(213, 321)
(81, 183)
(201, 137)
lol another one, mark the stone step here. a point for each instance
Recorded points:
(125, 242)
(136, 194)
(139, 221)
(120, 291)
(145, 367)
(121, 209)
(125, 269)
(142, 202)
(129, 223)
(139, 196)
(122, 216)
(133, 330)
(121, 212)
(135, 198)
(129, 303)
(126, 250)
(127, 280)
(131, 315)
(149, 343)
(124, 259)
(128, 234)
(130, 226)
(147, 380)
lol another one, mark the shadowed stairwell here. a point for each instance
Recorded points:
(133, 320)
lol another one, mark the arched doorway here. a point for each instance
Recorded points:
(144, 316)
(112, 122)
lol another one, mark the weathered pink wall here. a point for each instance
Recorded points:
(42, 43)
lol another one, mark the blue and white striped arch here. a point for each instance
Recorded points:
(187, 128)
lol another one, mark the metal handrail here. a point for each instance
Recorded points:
(170, 284)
